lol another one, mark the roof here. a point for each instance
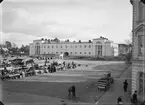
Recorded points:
(98, 39)
(67, 43)
(122, 45)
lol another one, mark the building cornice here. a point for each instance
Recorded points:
(138, 27)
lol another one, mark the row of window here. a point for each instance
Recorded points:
(70, 53)
(81, 46)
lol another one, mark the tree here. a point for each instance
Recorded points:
(24, 49)
(128, 42)
(128, 57)
(14, 50)
(14, 45)
(2, 52)
(67, 40)
(8, 44)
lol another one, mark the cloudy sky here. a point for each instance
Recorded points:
(25, 20)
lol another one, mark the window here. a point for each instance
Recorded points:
(56, 52)
(56, 46)
(80, 46)
(141, 44)
(99, 50)
(44, 52)
(52, 52)
(75, 46)
(141, 83)
(52, 46)
(89, 46)
(80, 52)
(75, 52)
(89, 52)
(61, 46)
(71, 53)
(66, 46)
(48, 46)
(71, 46)
(44, 46)
(141, 11)
(84, 46)
(84, 52)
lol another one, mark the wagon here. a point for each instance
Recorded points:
(104, 83)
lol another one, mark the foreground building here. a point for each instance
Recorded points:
(97, 48)
(138, 61)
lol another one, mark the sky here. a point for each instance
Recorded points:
(23, 21)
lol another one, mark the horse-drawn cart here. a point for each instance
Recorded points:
(105, 83)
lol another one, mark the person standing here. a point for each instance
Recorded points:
(119, 101)
(69, 91)
(125, 85)
(134, 98)
(74, 91)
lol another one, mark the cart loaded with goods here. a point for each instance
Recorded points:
(104, 83)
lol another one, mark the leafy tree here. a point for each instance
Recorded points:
(24, 49)
(8, 44)
(128, 57)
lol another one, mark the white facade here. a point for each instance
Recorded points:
(98, 47)
(138, 62)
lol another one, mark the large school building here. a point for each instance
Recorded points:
(97, 48)
(138, 62)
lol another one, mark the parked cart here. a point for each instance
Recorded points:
(105, 83)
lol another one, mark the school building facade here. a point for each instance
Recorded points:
(97, 48)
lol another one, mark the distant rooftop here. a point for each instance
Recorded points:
(57, 41)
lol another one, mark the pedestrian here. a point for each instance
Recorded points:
(125, 85)
(134, 98)
(69, 91)
(119, 101)
(74, 91)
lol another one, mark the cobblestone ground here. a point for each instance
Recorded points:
(52, 88)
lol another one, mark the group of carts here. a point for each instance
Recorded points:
(25, 71)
